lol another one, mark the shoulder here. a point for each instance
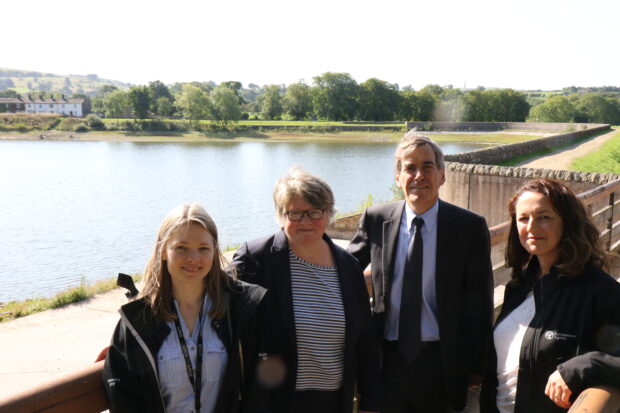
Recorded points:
(136, 309)
(246, 292)
(601, 280)
(259, 244)
(385, 211)
(267, 243)
(448, 210)
(341, 255)
(245, 299)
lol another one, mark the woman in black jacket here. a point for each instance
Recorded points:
(557, 331)
(191, 341)
(317, 312)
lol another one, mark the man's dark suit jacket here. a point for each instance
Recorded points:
(266, 262)
(463, 283)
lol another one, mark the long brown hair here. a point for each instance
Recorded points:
(157, 290)
(580, 242)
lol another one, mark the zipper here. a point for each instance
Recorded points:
(147, 352)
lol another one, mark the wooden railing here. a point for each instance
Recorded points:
(82, 391)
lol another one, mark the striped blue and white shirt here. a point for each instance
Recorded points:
(319, 325)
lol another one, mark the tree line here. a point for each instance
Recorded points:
(338, 97)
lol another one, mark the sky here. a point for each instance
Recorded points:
(519, 44)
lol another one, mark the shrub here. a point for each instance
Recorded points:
(73, 125)
(26, 122)
(94, 122)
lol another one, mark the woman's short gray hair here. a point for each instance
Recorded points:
(310, 188)
(411, 141)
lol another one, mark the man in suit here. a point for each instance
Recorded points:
(432, 286)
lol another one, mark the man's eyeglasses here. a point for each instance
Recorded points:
(313, 214)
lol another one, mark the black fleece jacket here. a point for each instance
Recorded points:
(576, 330)
(130, 375)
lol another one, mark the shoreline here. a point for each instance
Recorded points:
(188, 137)
(271, 136)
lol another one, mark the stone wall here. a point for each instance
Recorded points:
(498, 154)
(344, 227)
(497, 126)
(486, 189)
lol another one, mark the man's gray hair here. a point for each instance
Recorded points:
(410, 142)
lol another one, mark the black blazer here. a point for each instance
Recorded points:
(265, 262)
(463, 283)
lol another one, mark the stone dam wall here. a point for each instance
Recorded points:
(501, 153)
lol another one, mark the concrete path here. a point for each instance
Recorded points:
(42, 346)
(562, 159)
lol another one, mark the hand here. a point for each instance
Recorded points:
(558, 391)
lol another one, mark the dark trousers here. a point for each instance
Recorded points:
(317, 401)
(415, 387)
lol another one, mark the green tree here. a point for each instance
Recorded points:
(140, 101)
(105, 89)
(378, 100)
(475, 105)
(225, 106)
(163, 107)
(235, 87)
(298, 100)
(507, 105)
(335, 96)
(417, 106)
(435, 91)
(159, 89)
(193, 102)
(555, 109)
(595, 108)
(270, 102)
(116, 104)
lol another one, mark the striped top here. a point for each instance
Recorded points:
(319, 325)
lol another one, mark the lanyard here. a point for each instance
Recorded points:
(195, 380)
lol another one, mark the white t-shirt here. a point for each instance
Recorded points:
(508, 337)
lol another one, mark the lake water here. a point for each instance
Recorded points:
(88, 210)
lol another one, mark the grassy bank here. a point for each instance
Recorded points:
(263, 136)
(16, 309)
(606, 159)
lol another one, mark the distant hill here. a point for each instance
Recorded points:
(25, 81)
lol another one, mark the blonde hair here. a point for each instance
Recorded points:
(157, 289)
(310, 188)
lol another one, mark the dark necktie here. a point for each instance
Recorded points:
(409, 341)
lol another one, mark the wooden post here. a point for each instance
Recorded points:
(610, 220)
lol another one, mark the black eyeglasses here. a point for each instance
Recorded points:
(313, 214)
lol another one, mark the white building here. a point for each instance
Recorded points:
(29, 104)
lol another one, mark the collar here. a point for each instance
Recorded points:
(429, 217)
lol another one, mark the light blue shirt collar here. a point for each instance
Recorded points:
(429, 217)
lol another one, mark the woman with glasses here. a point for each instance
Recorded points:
(317, 322)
